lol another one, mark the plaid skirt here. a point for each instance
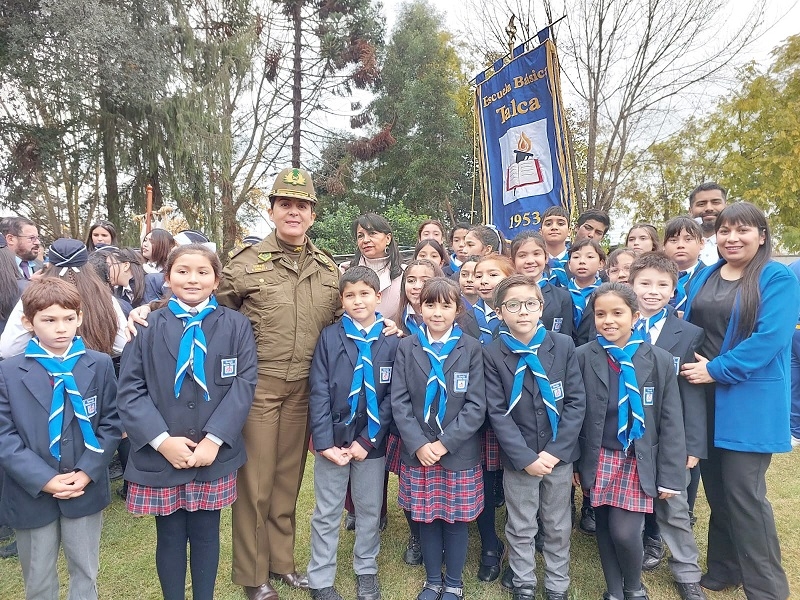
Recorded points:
(393, 453)
(431, 493)
(192, 496)
(490, 451)
(617, 483)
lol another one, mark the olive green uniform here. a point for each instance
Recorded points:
(288, 302)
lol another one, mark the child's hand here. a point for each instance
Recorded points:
(665, 496)
(338, 456)
(177, 450)
(67, 485)
(204, 454)
(137, 316)
(438, 449)
(390, 328)
(548, 459)
(357, 451)
(691, 462)
(538, 468)
(427, 456)
(576, 480)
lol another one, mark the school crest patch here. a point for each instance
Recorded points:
(460, 382)
(385, 375)
(90, 406)
(229, 367)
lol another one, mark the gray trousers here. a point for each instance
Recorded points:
(330, 487)
(549, 496)
(672, 517)
(38, 554)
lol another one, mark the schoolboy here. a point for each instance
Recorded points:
(555, 231)
(59, 429)
(592, 224)
(653, 277)
(683, 243)
(536, 404)
(350, 412)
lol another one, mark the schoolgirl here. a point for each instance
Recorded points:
(643, 237)
(439, 404)
(618, 265)
(433, 251)
(633, 447)
(466, 281)
(156, 246)
(529, 254)
(186, 385)
(586, 259)
(458, 246)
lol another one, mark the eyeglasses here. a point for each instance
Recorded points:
(30, 238)
(618, 270)
(514, 306)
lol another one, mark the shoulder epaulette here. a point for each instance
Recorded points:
(326, 259)
(237, 249)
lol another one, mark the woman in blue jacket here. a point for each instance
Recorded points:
(748, 306)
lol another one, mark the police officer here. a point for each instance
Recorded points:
(288, 289)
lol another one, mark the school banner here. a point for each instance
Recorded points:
(522, 138)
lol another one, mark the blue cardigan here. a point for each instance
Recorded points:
(753, 376)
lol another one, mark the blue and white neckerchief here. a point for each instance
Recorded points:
(488, 321)
(409, 321)
(454, 263)
(529, 358)
(579, 298)
(60, 369)
(542, 283)
(630, 400)
(678, 301)
(192, 350)
(644, 325)
(364, 373)
(436, 386)
(558, 270)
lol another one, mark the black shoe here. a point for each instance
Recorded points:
(709, 582)
(637, 595)
(9, 551)
(328, 593)
(115, 469)
(607, 596)
(350, 522)
(430, 591)
(551, 595)
(526, 592)
(383, 523)
(490, 572)
(507, 580)
(653, 553)
(454, 591)
(587, 523)
(690, 591)
(368, 587)
(413, 554)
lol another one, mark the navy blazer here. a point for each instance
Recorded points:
(25, 397)
(154, 287)
(586, 331)
(682, 339)
(526, 431)
(466, 410)
(557, 305)
(661, 452)
(148, 405)
(330, 378)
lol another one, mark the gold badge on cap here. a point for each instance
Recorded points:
(294, 177)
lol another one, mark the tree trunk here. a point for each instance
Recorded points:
(297, 91)
(108, 145)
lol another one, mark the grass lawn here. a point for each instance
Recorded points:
(127, 569)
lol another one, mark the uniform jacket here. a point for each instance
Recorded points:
(148, 405)
(681, 340)
(466, 410)
(557, 305)
(753, 376)
(25, 397)
(526, 431)
(661, 452)
(288, 305)
(332, 368)
(586, 331)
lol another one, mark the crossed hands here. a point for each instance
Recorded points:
(183, 453)
(67, 485)
(342, 456)
(430, 453)
(543, 465)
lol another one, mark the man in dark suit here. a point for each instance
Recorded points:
(23, 240)
(654, 277)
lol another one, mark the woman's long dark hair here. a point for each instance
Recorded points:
(161, 244)
(372, 222)
(109, 227)
(745, 213)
